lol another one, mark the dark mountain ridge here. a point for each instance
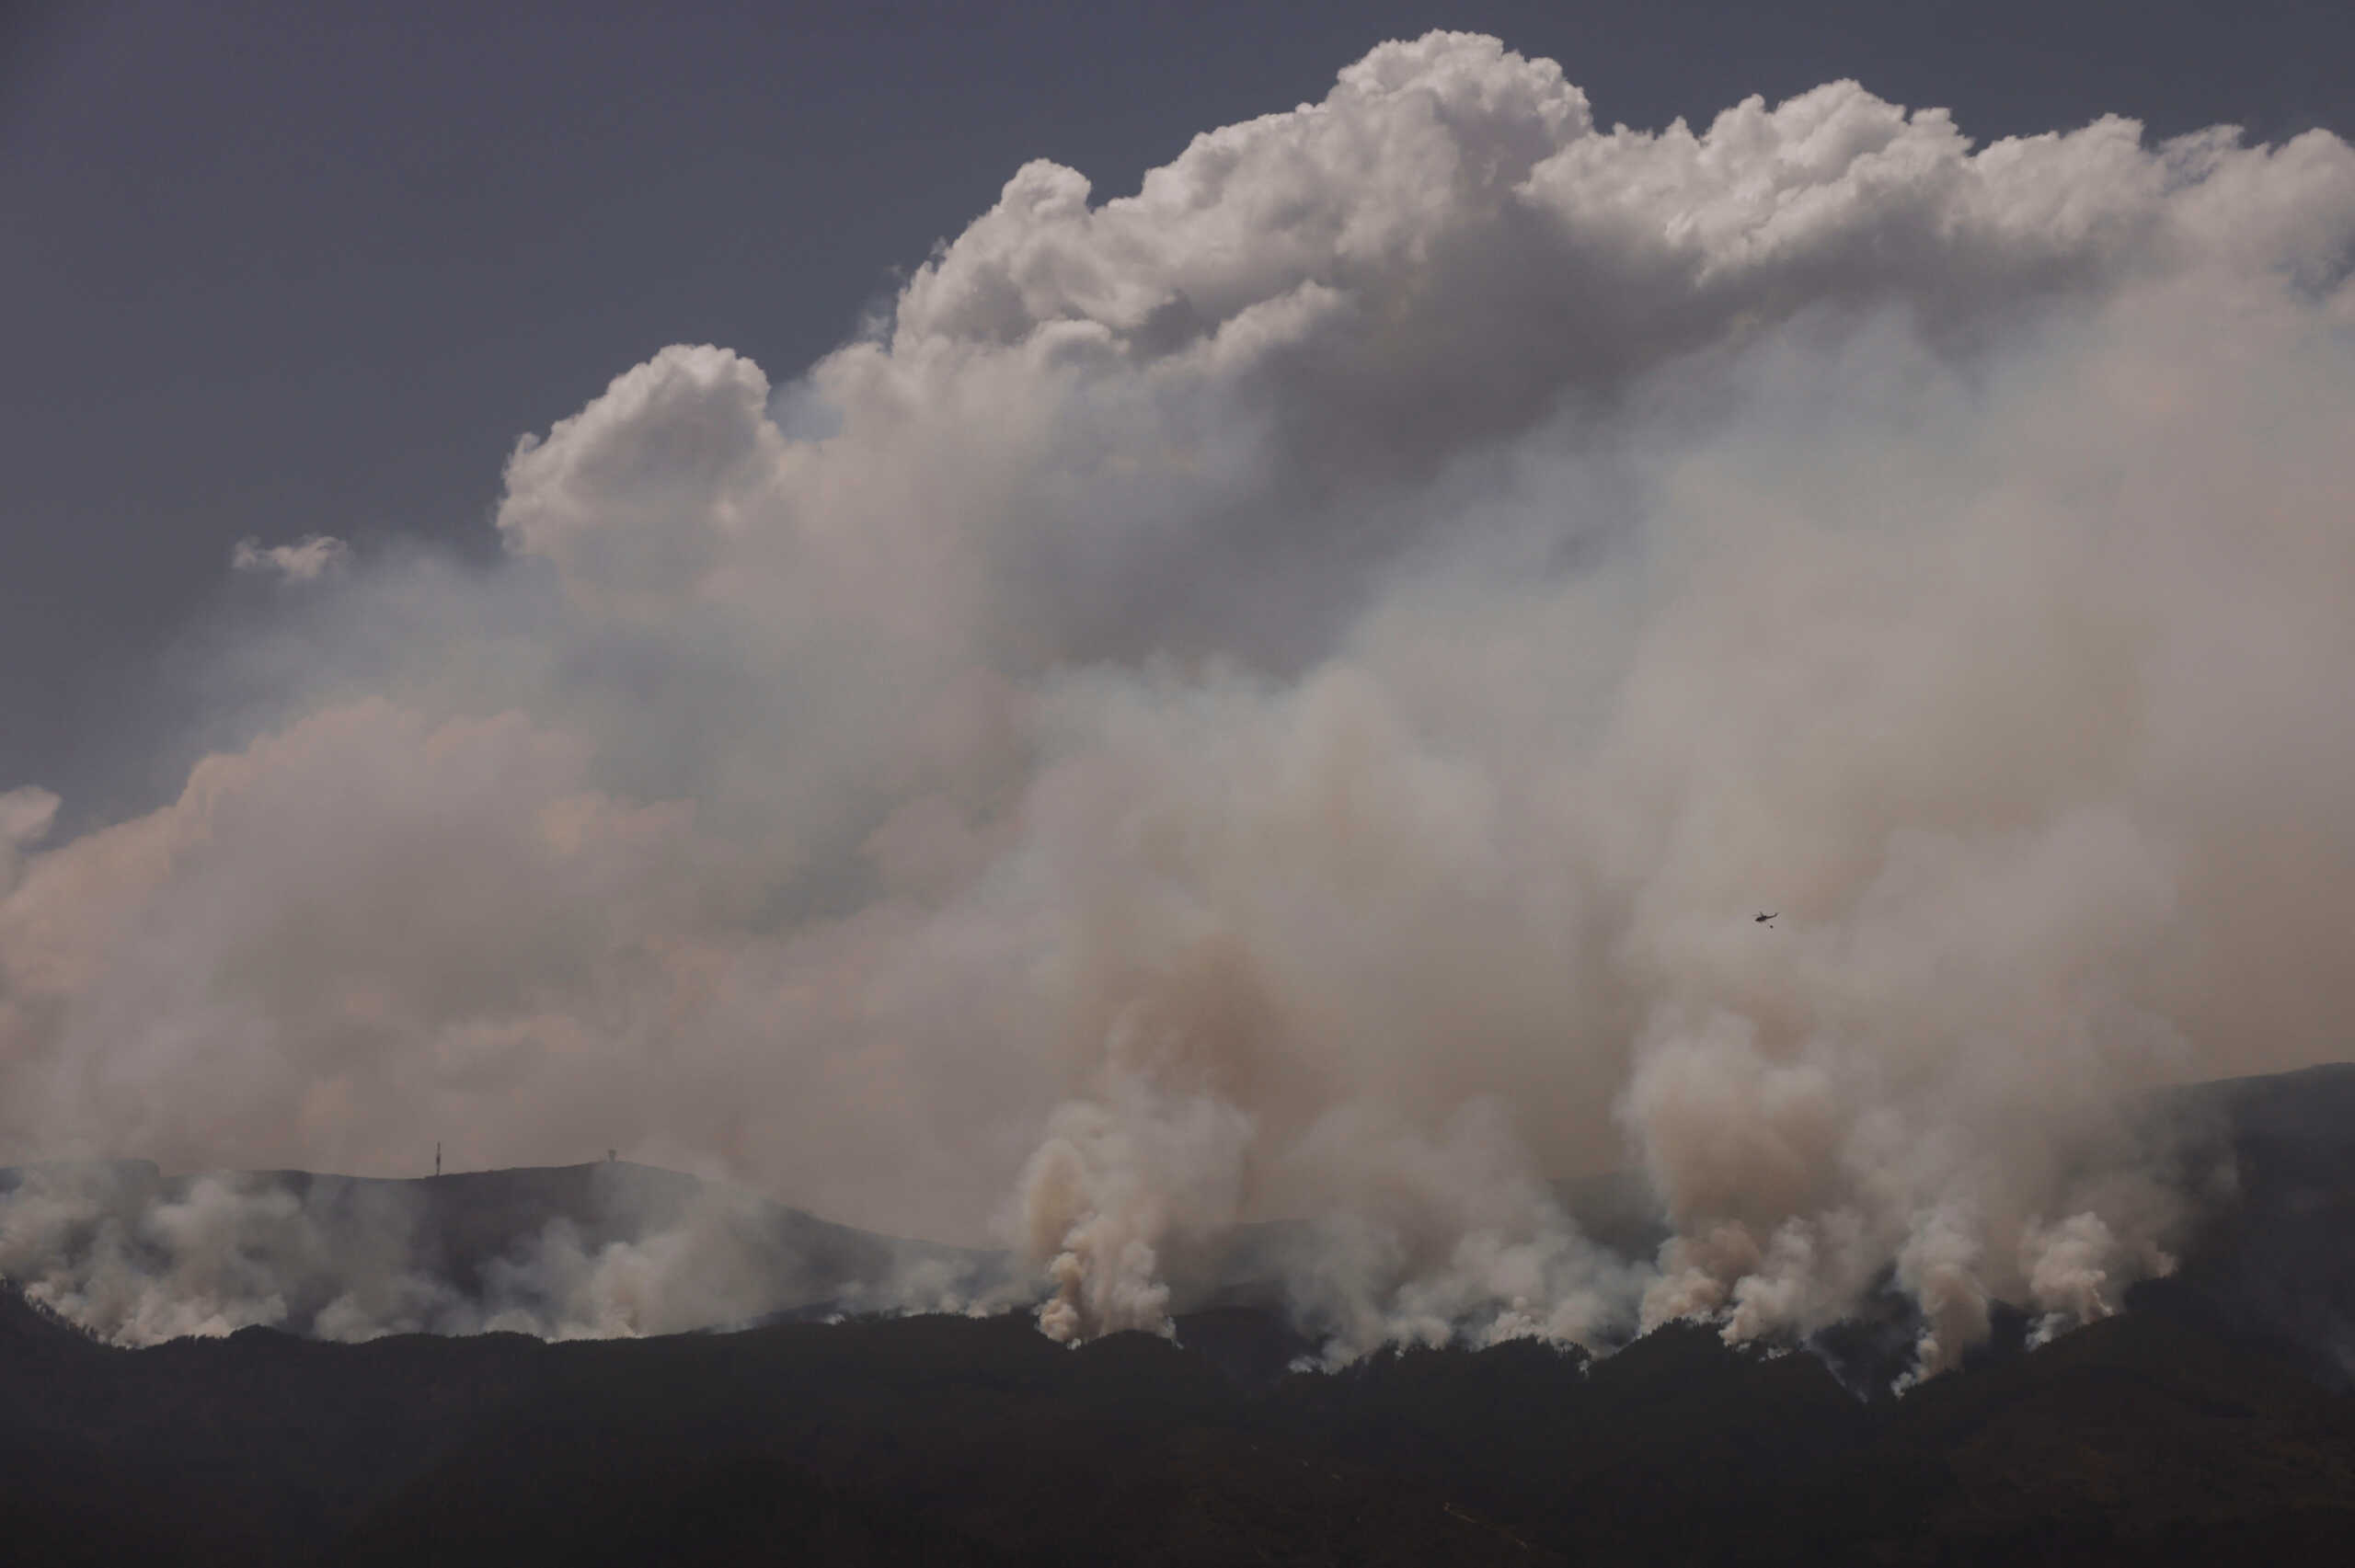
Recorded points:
(2209, 1421)
(954, 1439)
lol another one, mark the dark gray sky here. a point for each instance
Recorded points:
(277, 269)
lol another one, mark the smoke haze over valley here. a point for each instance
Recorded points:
(1278, 698)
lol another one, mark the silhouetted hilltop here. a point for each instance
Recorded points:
(466, 1221)
(2272, 1259)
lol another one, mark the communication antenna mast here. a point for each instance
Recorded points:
(437, 1156)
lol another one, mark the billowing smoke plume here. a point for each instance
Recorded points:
(594, 1251)
(1281, 696)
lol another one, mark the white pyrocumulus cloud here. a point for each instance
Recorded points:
(1279, 696)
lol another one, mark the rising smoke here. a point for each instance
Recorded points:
(1279, 697)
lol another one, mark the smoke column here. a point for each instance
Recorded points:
(1280, 695)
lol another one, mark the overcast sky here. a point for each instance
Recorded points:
(281, 269)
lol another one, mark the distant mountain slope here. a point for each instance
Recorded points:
(2273, 1258)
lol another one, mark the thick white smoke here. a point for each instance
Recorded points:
(111, 1248)
(601, 1251)
(1280, 695)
